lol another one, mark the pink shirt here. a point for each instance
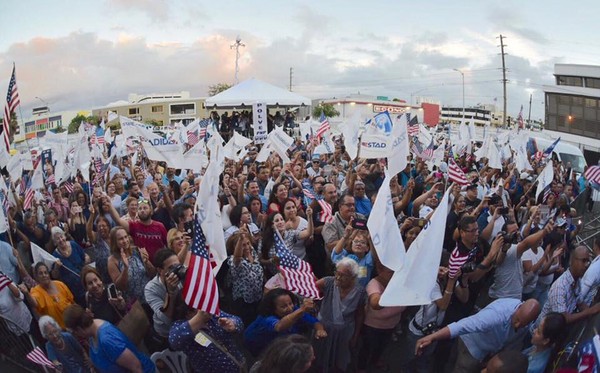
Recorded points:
(385, 318)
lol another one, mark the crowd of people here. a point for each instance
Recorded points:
(511, 277)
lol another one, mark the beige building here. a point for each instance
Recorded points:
(162, 109)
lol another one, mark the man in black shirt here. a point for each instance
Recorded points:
(471, 199)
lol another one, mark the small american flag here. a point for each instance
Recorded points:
(548, 151)
(203, 125)
(326, 215)
(38, 356)
(200, 288)
(425, 154)
(298, 274)
(324, 127)
(592, 174)
(455, 173)
(192, 137)
(308, 193)
(29, 194)
(412, 125)
(12, 101)
(51, 179)
(68, 186)
(4, 281)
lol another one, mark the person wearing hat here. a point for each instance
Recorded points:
(471, 199)
(315, 167)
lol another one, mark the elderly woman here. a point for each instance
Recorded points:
(180, 244)
(63, 349)
(280, 315)
(129, 268)
(132, 208)
(98, 300)
(71, 259)
(342, 315)
(48, 297)
(245, 277)
(360, 248)
(110, 350)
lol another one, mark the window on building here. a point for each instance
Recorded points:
(575, 81)
(590, 102)
(577, 101)
(157, 109)
(178, 109)
(564, 99)
(134, 110)
(592, 82)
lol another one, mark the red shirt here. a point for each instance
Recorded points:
(151, 237)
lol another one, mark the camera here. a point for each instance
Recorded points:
(430, 328)
(510, 238)
(421, 223)
(304, 156)
(359, 224)
(468, 267)
(179, 270)
(112, 291)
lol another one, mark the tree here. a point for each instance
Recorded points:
(327, 109)
(217, 88)
(76, 122)
(153, 122)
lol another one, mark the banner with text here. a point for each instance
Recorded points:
(260, 122)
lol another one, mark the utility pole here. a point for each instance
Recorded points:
(529, 116)
(291, 74)
(463, 93)
(238, 43)
(504, 80)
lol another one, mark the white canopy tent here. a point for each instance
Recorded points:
(253, 91)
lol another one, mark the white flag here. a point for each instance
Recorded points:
(15, 167)
(351, 130)
(169, 153)
(412, 285)
(545, 178)
(397, 158)
(209, 213)
(40, 255)
(37, 180)
(374, 146)
(383, 227)
(196, 158)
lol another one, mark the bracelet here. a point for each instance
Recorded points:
(448, 292)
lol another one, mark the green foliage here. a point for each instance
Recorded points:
(328, 109)
(80, 118)
(217, 88)
(153, 122)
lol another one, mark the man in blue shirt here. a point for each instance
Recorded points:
(486, 332)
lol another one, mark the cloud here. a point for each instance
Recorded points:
(82, 70)
(155, 10)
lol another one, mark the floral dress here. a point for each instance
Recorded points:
(137, 279)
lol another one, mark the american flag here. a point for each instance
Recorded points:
(100, 140)
(192, 137)
(592, 174)
(51, 179)
(326, 215)
(68, 186)
(29, 194)
(12, 101)
(298, 274)
(455, 173)
(425, 154)
(4, 281)
(324, 127)
(200, 288)
(428, 152)
(412, 125)
(203, 125)
(39, 357)
(308, 193)
(520, 119)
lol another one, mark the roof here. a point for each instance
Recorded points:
(253, 91)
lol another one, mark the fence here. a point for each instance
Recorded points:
(15, 344)
(590, 218)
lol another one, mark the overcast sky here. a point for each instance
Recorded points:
(83, 54)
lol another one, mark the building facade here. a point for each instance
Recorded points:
(43, 120)
(454, 115)
(573, 107)
(160, 109)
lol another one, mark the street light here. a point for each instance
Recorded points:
(463, 93)
(414, 93)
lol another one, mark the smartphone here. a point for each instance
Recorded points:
(421, 223)
(503, 210)
(112, 291)
(188, 226)
(359, 224)
(245, 169)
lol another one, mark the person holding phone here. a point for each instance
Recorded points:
(105, 302)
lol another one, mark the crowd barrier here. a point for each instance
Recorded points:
(590, 218)
(15, 344)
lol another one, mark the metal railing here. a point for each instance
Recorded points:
(15, 344)
(590, 219)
